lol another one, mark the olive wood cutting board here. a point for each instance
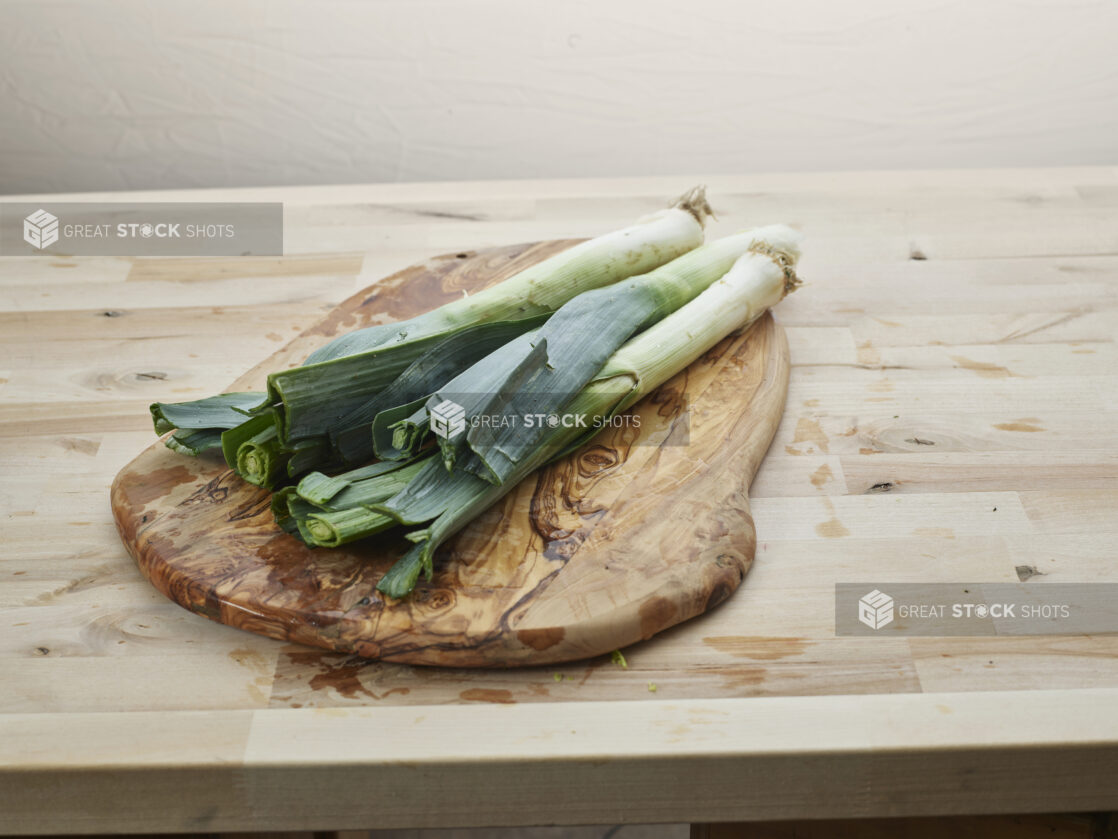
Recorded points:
(640, 529)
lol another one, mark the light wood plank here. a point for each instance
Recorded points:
(982, 375)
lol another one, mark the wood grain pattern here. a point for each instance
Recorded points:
(641, 529)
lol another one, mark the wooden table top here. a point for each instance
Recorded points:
(953, 342)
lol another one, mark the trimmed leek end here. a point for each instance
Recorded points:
(193, 441)
(261, 463)
(321, 531)
(318, 488)
(407, 437)
(338, 528)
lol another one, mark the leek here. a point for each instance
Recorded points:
(321, 411)
(197, 426)
(756, 281)
(331, 511)
(340, 378)
(547, 367)
(585, 333)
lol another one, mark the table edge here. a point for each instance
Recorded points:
(652, 760)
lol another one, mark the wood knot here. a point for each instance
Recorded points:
(434, 599)
(597, 459)
(883, 486)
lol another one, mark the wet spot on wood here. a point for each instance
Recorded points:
(541, 639)
(1028, 424)
(868, 354)
(81, 584)
(758, 647)
(81, 445)
(808, 431)
(342, 673)
(983, 368)
(742, 677)
(246, 657)
(821, 475)
(502, 697)
(832, 529)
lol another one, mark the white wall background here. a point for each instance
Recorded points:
(130, 94)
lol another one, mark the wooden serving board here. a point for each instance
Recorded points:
(637, 531)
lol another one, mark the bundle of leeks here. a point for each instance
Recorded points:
(707, 298)
(318, 415)
(587, 332)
